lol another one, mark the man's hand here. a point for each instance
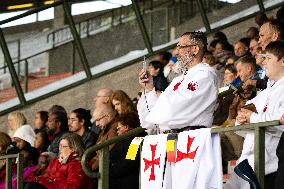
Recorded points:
(249, 83)
(243, 116)
(282, 120)
(146, 80)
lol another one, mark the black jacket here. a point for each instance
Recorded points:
(124, 173)
(89, 138)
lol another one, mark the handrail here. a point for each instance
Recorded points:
(51, 35)
(258, 149)
(171, 46)
(20, 164)
(90, 152)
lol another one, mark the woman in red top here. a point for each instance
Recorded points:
(64, 172)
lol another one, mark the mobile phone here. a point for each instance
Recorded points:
(145, 67)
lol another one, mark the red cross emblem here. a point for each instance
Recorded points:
(177, 85)
(265, 108)
(152, 162)
(188, 154)
(192, 86)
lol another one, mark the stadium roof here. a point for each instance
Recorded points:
(17, 5)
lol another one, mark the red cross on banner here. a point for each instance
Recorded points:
(188, 154)
(151, 163)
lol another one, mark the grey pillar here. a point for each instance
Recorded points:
(59, 16)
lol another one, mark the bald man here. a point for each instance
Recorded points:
(104, 116)
(103, 96)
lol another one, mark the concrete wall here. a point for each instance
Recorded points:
(82, 96)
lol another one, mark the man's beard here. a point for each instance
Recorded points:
(184, 62)
(49, 131)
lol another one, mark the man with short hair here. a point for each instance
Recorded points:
(103, 96)
(246, 68)
(189, 101)
(104, 116)
(57, 126)
(241, 47)
(269, 31)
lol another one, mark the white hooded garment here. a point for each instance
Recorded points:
(25, 133)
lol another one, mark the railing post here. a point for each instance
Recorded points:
(261, 6)
(204, 16)
(112, 18)
(104, 168)
(88, 25)
(8, 174)
(53, 39)
(77, 40)
(259, 158)
(20, 168)
(142, 27)
(11, 68)
(26, 88)
(19, 56)
(73, 58)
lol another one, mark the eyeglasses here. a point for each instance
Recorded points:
(184, 46)
(101, 117)
(63, 146)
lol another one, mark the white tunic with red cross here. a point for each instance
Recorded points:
(197, 165)
(188, 101)
(270, 106)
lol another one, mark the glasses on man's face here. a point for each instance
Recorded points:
(101, 118)
(184, 46)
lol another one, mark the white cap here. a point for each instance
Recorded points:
(25, 133)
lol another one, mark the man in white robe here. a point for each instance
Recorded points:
(270, 106)
(187, 103)
(190, 98)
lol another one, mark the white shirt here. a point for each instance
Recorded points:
(270, 106)
(188, 101)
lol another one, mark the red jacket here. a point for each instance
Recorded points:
(69, 175)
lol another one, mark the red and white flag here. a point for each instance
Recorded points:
(198, 161)
(153, 158)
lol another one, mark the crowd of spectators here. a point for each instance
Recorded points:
(54, 144)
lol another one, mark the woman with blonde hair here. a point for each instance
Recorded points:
(122, 103)
(15, 121)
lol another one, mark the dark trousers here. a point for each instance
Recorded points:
(34, 185)
(279, 180)
(269, 181)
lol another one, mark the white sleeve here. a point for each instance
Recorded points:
(144, 106)
(270, 116)
(186, 106)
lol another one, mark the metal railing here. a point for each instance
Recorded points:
(15, 79)
(104, 20)
(122, 14)
(103, 173)
(20, 163)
